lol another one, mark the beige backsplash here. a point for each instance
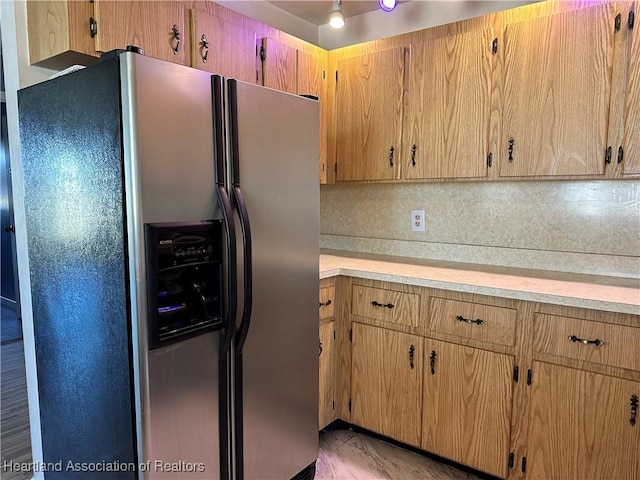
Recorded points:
(580, 226)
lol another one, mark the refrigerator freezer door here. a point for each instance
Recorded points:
(170, 178)
(277, 155)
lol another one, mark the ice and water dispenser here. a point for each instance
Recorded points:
(184, 277)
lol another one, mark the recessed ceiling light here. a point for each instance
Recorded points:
(387, 5)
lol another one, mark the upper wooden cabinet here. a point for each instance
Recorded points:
(449, 105)
(221, 47)
(631, 143)
(59, 33)
(557, 89)
(279, 66)
(369, 116)
(160, 28)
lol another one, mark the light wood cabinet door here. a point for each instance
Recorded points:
(59, 33)
(467, 405)
(157, 27)
(557, 88)
(581, 426)
(448, 107)
(327, 374)
(386, 382)
(222, 47)
(312, 81)
(279, 66)
(369, 116)
(632, 117)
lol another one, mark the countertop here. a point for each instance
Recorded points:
(611, 294)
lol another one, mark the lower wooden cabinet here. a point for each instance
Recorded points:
(386, 382)
(582, 425)
(466, 412)
(327, 407)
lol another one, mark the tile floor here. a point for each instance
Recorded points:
(348, 455)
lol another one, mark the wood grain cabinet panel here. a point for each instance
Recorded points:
(632, 117)
(386, 305)
(581, 426)
(557, 88)
(59, 33)
(279, 66)
(473, 320)
(369, 116)
(447, 130)
(386, 382)
(327, 302)
(563, 337)
(326, 407)
(466, 414)
(160, 28)
(221, 47)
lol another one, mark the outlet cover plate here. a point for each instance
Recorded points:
(417, 221)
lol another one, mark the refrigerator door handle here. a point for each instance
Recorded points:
(243, 214)
(232, 277)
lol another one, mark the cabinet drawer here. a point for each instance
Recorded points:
(612, 345)
(327, 302)
(386, 305)
(473, 320)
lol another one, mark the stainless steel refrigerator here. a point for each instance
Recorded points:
(173, 224)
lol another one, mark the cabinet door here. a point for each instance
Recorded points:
(157, 27)
(369, 116)
(311, 80)
(467, 405)
(386, 382)
(447, 130)
(557, 87)
(632, 118)
(279, 66)
(222, 47)
(59, 34)
(327, 376)
(581, 426)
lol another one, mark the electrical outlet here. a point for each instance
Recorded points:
(417, 221)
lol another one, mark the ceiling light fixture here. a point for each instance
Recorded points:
(387, 5)
(336, 19)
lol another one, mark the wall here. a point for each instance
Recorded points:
(581, 226)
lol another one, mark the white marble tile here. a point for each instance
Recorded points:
(367, 458)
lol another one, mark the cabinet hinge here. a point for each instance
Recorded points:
(524, 465)
(93, 27)
(631, 21)
(351, 334)
(494, 46)
(607, 156)
(349, 404)
(263, 54)
(529, 377)
(618, 22)
(620, 154)
(516, 374)
(489, 159)
(512, 459)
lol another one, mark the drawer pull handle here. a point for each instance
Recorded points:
(432, 361)
(320, 345)
(477, 321)
(325, 304)
(634, 409)
(377, 304)
(597, 342)
(412, 350)
(176, 37)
